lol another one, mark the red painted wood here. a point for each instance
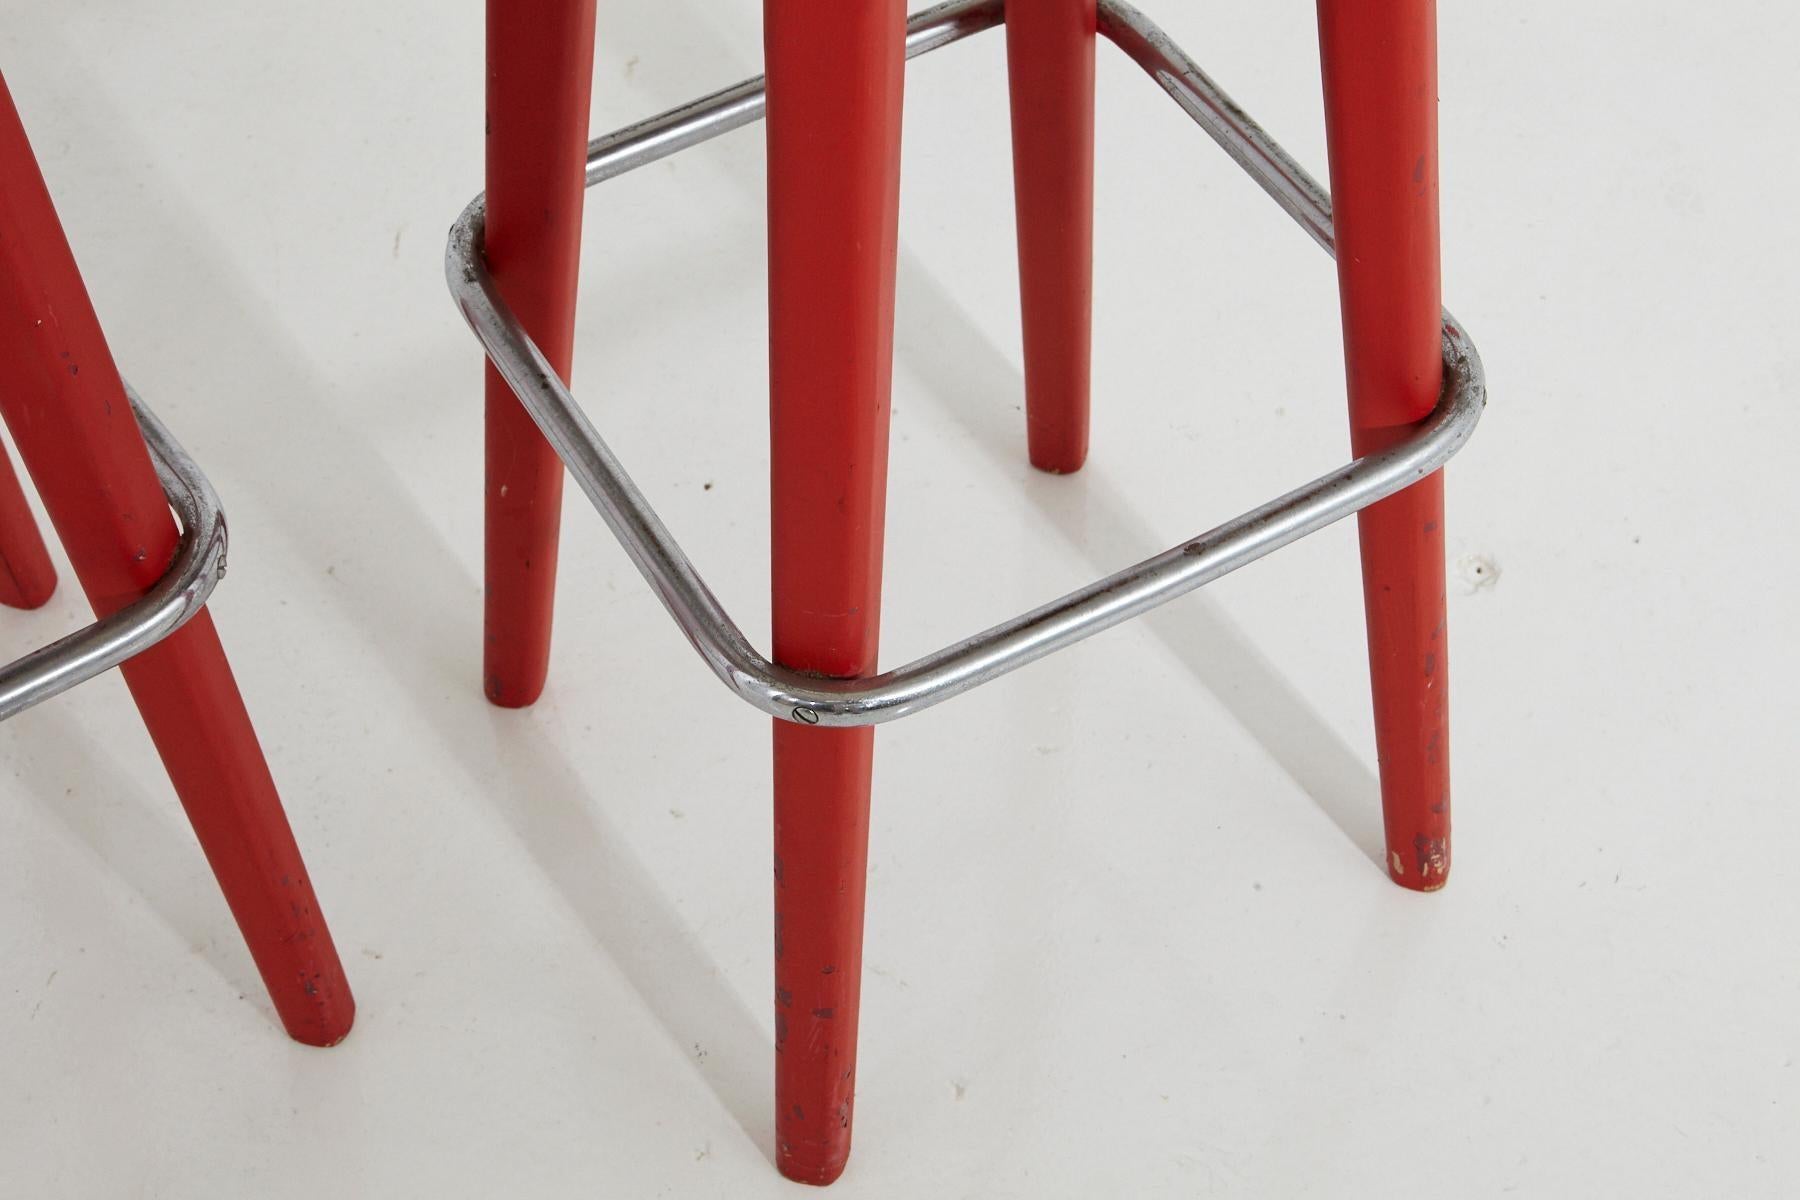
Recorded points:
(61, 396)
(540, 69)
(1380, 75)
(1050, 68)
(27, 578)
(834, 80)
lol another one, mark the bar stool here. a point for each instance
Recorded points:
(108, 482)
(832, 99)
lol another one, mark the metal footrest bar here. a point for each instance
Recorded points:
(196, 569)
(812, 700)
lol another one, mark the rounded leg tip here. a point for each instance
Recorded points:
(324, 1035)
(1427, 871)
(1059, 462)
(27, 596)
(504, 695)
(814, 1174)
(324, 1029)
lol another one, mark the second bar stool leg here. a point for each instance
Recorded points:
(1380, 75)
(834, 90)
(540, 71)
(62, 397)
(1050, 70)
(27, 577)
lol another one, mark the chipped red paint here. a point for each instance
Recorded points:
(1380, 78)
(1050, 68)
(834, 88)
(540, 69)
(61, 396)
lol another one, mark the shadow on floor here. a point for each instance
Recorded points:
(406, 613)
(974, 383)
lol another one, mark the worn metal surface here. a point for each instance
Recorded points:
(809, 700)
(196, 569)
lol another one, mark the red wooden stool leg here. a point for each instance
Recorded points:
(61, 395)
(540, 72)
(1050, 66)
(1380, 74)
(27, 578)
(834, 86)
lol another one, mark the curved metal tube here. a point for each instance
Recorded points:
(811, 700)
(196, 569)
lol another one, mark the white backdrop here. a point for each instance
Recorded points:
(1126, 933)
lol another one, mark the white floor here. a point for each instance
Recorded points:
(1126, 933)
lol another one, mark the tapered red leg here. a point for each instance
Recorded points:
(540, 69)
(1050, 67)
(1380, 72)
(61, 395)
(834, 80)
(27, 578)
